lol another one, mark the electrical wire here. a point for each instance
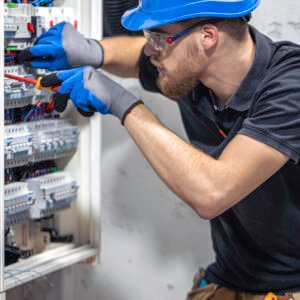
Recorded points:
(35, 2)
(29, 114)
(14, 276)
(50, 283)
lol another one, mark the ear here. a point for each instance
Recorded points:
(210, 36)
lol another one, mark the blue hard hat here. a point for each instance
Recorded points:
(153, 13)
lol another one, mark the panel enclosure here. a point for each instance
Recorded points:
(82, 167)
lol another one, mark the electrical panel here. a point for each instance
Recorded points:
(42, 154)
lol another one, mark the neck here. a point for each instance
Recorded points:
(228, 69)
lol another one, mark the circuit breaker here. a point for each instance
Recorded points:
(50, 195)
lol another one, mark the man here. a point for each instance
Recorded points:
(239, 97)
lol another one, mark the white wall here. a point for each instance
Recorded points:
(152, 243)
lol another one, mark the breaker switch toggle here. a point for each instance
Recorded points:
(30, 27)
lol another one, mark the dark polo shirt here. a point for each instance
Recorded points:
(256, 242)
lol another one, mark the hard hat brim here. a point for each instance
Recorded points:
(138, 19)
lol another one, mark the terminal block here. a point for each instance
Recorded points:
(53, 192)
(10, 26)
(18, 145)
(18, 94)
(17, 202)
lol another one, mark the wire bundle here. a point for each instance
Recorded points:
(33, 2)
(38, 111)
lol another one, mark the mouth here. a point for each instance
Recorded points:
(160, 70)
(155, 64)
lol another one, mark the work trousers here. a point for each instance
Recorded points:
(216, 292)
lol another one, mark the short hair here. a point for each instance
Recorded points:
(235, 27)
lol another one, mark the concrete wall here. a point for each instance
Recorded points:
(152, 243)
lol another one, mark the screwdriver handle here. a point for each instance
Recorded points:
(55, 89)
(42, 88)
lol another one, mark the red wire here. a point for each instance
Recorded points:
(223, 133)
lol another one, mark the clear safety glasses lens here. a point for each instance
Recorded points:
(157, 41)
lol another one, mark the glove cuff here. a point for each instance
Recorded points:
(129, 109)
(96, 44)
(79, 50)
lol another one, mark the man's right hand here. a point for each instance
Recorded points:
(62, 47)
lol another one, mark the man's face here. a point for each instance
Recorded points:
(179, 64)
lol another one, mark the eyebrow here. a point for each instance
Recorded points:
(158, 30)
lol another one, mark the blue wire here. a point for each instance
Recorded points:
(40, 111)
(15, 277)
(33, 114)
(9, 58)
(35, 2)
(8, 116)
(31, 271)
(41, 2)
(28, 114)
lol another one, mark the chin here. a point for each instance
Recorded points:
(175, 89)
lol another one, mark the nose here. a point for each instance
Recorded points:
(149, 50)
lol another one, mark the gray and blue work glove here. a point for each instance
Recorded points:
(90, 91)
(61, 48)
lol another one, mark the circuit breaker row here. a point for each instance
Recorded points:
(38, 197)
(39, 140)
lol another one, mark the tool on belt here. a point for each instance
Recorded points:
(271, 296)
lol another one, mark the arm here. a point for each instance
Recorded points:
(121, 55)
(62, 47)
(208, 185)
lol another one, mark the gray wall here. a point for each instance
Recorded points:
(151, 241)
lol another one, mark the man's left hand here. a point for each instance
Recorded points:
(91, 91)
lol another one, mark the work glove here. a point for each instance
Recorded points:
(61, 48)
(90, 91)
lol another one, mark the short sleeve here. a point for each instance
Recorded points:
(148, 73)
(274, 117)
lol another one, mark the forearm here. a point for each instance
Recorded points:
(188, 172)
(121, 55)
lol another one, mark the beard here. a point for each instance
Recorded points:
(184, 78)
(178, 87)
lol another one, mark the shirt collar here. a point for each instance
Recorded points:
(241, 100)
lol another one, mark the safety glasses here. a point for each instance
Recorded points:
(160, 42)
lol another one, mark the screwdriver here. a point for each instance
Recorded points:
(35, 82)
(60, 100)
